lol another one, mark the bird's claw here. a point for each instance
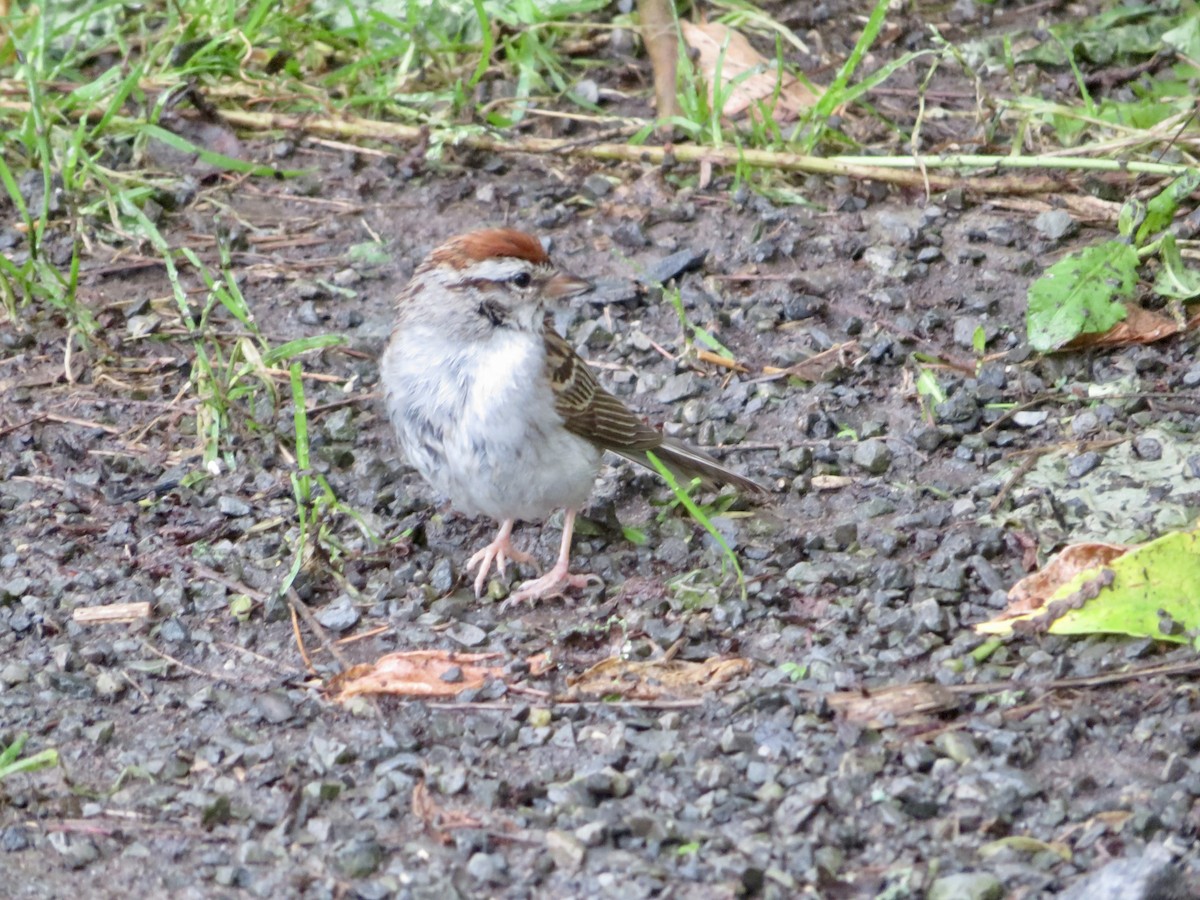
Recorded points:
(552, 584)
(500, 551)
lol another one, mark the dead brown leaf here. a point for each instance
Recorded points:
(1030, 607)
(715, 43)
(1140, 326)
(1033, 591)
(900, 704)
(415, 673)
(663, 679)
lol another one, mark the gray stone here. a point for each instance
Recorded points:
(1144, 877)
(966, 886)
(441, 578)
(1083, 464)
(1147, 448)
(358, 859)
(674, 265)
(597, 186)
(339, 615)
(466, 634)
(1030, 418)
(1055, 224)
(873, 456)
(679, 387)
(964, 331)
(1085, 424)
(233, 506)
(566, 849)
(13, 674)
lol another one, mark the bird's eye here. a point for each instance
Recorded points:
(522, 279)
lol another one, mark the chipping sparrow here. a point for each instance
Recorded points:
(496, 411)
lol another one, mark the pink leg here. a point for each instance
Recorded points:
(500, 551)
(554, 582)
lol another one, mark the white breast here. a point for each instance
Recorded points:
(478, 422)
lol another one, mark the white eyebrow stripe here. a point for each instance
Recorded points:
(497, 269)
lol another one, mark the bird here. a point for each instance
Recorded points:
(497, 412)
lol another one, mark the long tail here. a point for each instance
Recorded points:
(687, 463)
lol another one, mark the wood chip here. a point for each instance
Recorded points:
(113, 612)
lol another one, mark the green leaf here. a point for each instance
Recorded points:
(1186, 38)
(240, 607)
(979, 340)
(46, 759)
(1081, 294)
(1133, 214)
(11, 762)
(1175, 279)
(286, 352)
(793, 670)
(370, 252)
(928, 386)
(1152, 591)
(217, 159)
(635, 536)
(13, 750)
(1161, 209)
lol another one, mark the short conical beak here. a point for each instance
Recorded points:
(563, 285)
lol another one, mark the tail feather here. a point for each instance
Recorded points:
(687, 463)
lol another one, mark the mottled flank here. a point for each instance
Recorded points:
(490, 243)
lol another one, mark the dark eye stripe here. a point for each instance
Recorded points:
(493, 312)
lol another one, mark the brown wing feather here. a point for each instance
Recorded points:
(591, 412)
(587, 408)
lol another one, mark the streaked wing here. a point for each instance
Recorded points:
(593, 413)
(587, 408)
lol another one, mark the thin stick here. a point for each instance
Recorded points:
(112, 612)
(905, 170)
(300, 641)
(169, 658)
(299, 606)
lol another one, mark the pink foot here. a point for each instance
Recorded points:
(499, 551)
(553, 584)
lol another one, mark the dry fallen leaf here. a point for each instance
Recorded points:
(415, 673)
(1032, 591)
(901, 704)
(1140, 326)
(657, 679)
(709, 39)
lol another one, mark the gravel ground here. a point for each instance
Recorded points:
(200, 759)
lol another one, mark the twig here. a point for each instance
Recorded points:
(355, 638)
(310, 620)
(232, 583)
(312, 670)
(1023, 469)
(4, 432)
(282, 667)
(169, 658)
(896, 169)
(111, 613)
